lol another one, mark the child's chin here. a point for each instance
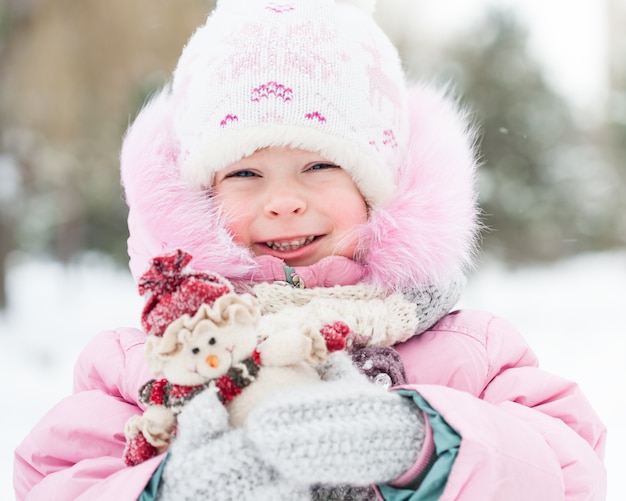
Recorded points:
(296, 258)
(301, 262)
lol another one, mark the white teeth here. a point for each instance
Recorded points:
(289, 245)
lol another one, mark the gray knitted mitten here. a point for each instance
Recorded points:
(209, 461)
(339, 432)
(343, 493)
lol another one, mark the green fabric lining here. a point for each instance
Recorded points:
(447, 442)
(289, 274)
(150, 492)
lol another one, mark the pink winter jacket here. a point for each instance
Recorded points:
(526, 434)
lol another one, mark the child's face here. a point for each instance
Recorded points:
(291, 204)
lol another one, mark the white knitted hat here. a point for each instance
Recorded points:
(319, 75)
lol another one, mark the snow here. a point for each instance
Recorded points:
(11, 181)
(572, 313)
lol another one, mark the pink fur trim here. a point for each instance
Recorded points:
(428, 232)
(425, 234)
(165, 213)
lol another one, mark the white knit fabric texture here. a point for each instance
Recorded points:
(209, 461)
(338, 433)
(313, 74)
(375, 318)
(372, 322)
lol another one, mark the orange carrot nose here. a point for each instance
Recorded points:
(213, 361)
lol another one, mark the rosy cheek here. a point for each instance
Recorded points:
(236, 232)
(239, 228)
(230, 211)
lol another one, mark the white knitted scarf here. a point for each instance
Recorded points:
(374, 318)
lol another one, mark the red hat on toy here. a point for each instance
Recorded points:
(174, 290)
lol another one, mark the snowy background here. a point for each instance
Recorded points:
(572, 313)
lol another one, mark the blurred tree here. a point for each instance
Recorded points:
(72, 76)
(547, 189)
(75, 75)
(615, 133)
(13, 18)
(6, 227)
(538, 167)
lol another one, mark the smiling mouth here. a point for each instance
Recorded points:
(290, 245)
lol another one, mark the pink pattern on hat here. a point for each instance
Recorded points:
(309, 62)
(315, 115)
(246, 56)
(382, 88)
(229, 118)
(390, 139)
(279, 8)
(264, 91)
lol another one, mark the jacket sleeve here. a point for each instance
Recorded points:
(75, 451)
(505, 428)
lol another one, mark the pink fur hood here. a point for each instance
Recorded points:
(426, 233)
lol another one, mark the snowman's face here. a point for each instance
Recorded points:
(208, 351)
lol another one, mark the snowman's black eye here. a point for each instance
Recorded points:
(212, 341)
(195, 351)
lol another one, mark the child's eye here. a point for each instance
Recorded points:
(241, 173)
(323, 166)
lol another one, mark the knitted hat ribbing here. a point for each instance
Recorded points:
(319, 75)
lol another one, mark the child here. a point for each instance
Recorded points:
(290, 148)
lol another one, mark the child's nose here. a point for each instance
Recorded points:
(285, 200)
